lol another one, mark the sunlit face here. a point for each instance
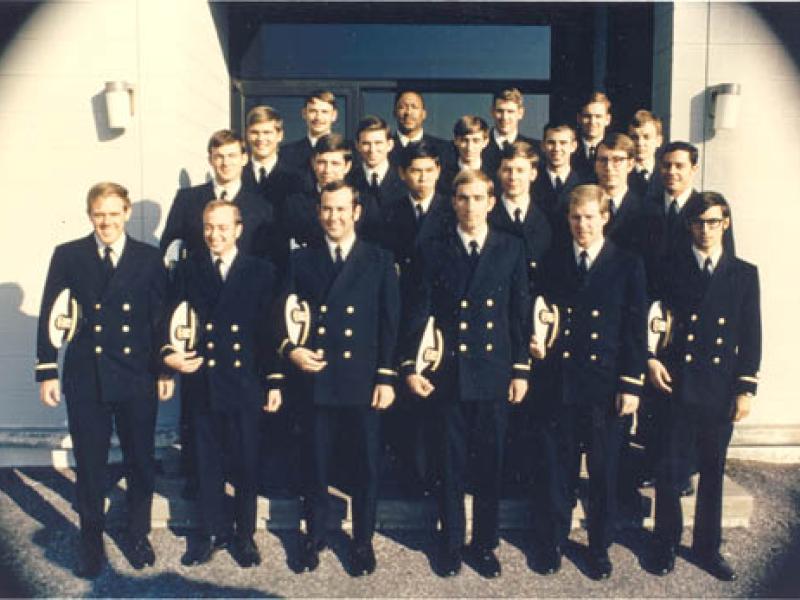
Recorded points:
(516, 175)
(319, 117)
(227, 161)
(109, 215)
(646, 140)
(612, 167)
(593, 120)
(708, 229)
(410, 113)
(677, 171)
(338, 214)
(472, 204)
(586, 223)
(421, 176)
(558, 147)
(507, 114)
(374, 147)
(263, 139)
(329, 166)
(220, 230)
(471, 145)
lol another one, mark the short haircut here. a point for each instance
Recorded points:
(681, 146)
(264, 114)
(220, 204)
(619, 141)
(335, 186)
(595, 97)
(559, 126)
(507, 95)
(521, 149)
(588, 192)
(401, 93)
(415, 150)
(322, 95)
(373, 123)
(223, 137)
(333, 142)
(471, 176)
(104, 189)
(642, 117)
(701, 202)
(470, 124)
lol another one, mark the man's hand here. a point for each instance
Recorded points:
(419, 385)
(166, 388)
(659, 376)
(627, 404)
(50, 392)
(517, 390)
(184, 362)
(274, 401)
(382, 396)
(537, 348)
(742, 408)
(307, 360)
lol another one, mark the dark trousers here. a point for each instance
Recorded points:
(360, 427)
(409, 431)
(90, 424)
(689, 429)
(476, 431)
(227, 442)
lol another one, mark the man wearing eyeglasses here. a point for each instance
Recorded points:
(709, 373)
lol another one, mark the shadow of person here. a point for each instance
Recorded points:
(148, 213)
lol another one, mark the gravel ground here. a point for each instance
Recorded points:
(38, 529)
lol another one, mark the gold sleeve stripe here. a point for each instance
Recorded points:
(275, 376)
(748, 379)
(46, 366)
(283, 345)
(409, 362)
(387, 372)
(521, 366)
(633, 380)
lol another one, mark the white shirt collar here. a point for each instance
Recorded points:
(681, 199)
(587, 145)
(117, 248)
(521, 203)
(462, 166)
(227, 260)
(425, 202)
(479, 237)
(553, 175)
(405, 140)
(268, 165)
(592, 251)
(701, 257)
(618, 198)
(313, 140)
(381, 170)
(231, 189)
(501, 139)
(345, 246)
(648, 165)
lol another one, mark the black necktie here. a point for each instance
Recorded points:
(262, 176)
(473, 254)
(559, 185)
(592, 153)
(418, 212)
(108, 265)
(645, 175)
(583, 266)
(374, 183)
(338, 262)
(218, 265)
(518, 216)
(672, 216)
(708, 268)
(223, 195)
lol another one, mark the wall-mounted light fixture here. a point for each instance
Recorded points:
(724, 105)
(119, 103)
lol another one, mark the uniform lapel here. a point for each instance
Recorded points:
(354, 267)
(486, 263)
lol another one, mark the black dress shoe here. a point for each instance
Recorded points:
(717, 566)
(450, 562)
(599, 566)
(362, 560)
(91, 556)
(201, 550)
(486, 563)
(246, 552)
(309, 554)
(142, 554)
(663, 558)
(548, 561)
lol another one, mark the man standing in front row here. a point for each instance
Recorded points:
(472, 281)
(346, 367)
(109, 369)
(709, 374)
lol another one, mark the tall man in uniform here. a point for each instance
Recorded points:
(409, 110)
(346, 366)
(470, 138)
(320, 113)
(593, 119)
(599, 362)
(375, 175)
(110, 369)
(508, 110)
(472, 281)
(645, 129)
(709, 373)
(228, 378)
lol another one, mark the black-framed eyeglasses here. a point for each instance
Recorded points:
(702, 223)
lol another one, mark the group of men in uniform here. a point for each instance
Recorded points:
(498, 286)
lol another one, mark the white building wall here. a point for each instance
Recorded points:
(56, 145)
(755, 165)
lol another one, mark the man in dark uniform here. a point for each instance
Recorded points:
(645, 129)
(508, 111)
(409, 110)
(110, 367)
(227, 379)
(374, 175)
(320, 113)
(472, 281)
(470, 138)
(599, 361)
(346, 366)
(593, 119)
(709, 372)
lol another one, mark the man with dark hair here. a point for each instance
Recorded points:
(346, 367)
(470, 138)
(508, 110)
(320, 113)
(594, 117)
(409, 110)
(375, 175)
(118, 287)
(709, 372)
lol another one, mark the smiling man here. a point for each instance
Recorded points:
(319, 113)
(508, 110)
(119, 285)
(410, 113)
(593, 119)
(375, 175)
